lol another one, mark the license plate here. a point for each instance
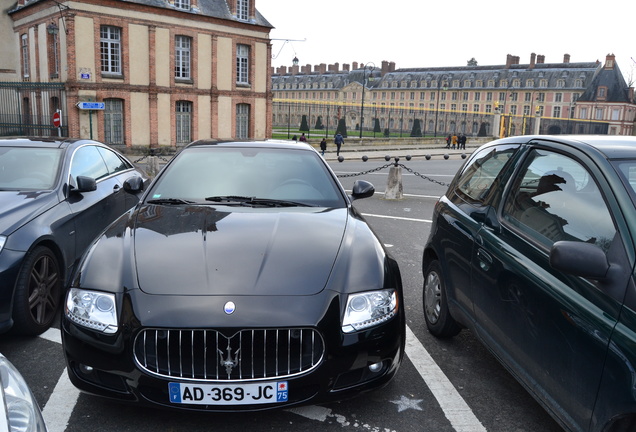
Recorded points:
(228, 394)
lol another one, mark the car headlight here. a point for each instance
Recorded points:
(369, 309)
(21, 410)
(3, 240)
(92, 309)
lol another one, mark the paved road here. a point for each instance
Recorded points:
(442, 386)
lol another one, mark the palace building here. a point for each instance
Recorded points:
(136, 72)
(500, 100)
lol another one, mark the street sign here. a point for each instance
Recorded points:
(57, 119)
(91, 105)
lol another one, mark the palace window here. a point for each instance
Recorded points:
(182, 4)
(243, 9)
(114, 121)
(242, 121)
(182, 58)
(25, 55)
(110, 49)
(183, 117)
(242, 64)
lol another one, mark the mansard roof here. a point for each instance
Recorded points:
(612, 79)
(571, 75)
(208, 8)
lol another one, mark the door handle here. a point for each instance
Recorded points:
(485, 260)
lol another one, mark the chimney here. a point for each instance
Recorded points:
(609, 61)
(294, 70)
(345, 67)
(355, 66)
(508, 61)
(385, 67)
(322, 68)
(566, 58)
(533, 58)
(391, 66)
(540, 59)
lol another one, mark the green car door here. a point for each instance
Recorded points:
(551, 328)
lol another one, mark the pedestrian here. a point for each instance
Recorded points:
(323, 146)
(462, 141)
(454, 141)
(448, 141)
(303, 138)
(338, 140)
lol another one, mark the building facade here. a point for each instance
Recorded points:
(503, 100)
(142, 72)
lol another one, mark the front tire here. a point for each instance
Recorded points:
(38, 292)
(439, 321)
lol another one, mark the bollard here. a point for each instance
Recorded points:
(394, 188)
(153, 166)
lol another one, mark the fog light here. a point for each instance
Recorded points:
(375, 367)
(86, 369)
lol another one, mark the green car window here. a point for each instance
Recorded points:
(556, 198)
(482, 170)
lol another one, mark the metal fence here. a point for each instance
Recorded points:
(27, 108)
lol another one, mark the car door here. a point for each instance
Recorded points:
(462, 212)
(93, 210)
(550, 328)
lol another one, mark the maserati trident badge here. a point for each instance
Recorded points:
(229, 308)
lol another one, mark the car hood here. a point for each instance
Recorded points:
(203, 250)
(17, 208)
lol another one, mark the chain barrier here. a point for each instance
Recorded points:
(144, 157)
(415, 173)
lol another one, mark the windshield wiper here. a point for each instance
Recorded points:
(169, 201)
(253, 201)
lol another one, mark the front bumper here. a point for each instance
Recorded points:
(352, 363)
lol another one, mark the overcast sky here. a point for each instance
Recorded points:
(420, 33)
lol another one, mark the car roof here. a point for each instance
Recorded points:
(278, 144)
(610, 146)
(50, 142)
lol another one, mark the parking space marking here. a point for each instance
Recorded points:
(397, 217)
(454, 406)
(57, 411)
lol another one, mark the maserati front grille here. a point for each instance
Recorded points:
(254, 354)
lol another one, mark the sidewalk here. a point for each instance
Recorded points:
(351, 152)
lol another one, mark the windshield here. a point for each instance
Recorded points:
(247, 176)
(28, 168)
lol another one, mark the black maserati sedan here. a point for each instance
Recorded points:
(56, 196)
(243, 280)
(533, 248)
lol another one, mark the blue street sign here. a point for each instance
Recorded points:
(91, 105)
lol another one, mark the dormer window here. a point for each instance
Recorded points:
(182, 4)
(601, 93)
(243, 9)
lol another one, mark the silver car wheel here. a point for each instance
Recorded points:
(432, 297)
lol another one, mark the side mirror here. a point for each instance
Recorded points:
(134, 185)
(580, 259)
(362, 189)
(85, 184)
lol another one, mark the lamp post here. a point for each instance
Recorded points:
(364, 79)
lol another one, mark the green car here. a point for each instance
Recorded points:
(532, 249)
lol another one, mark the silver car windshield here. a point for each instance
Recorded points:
(28, 168)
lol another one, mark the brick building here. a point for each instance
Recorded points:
(160, 72)
(500, 100)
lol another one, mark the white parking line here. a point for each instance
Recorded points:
(57, 411)
(397, 217)
(454, 406)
